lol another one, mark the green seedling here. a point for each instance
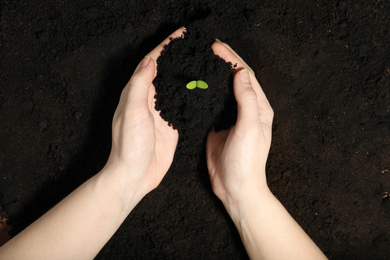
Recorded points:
(200, 84)
(191, 85)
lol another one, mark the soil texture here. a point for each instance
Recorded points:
(324, 67)
(195, 112)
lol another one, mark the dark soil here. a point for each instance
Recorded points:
(194, 113)
(324, 67)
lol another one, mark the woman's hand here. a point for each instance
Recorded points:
(143, 144)
(236, 158)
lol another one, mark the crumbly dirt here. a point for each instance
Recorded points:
(323, 66)
(195, 112)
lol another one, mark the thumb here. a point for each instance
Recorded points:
(247, 106)
(140, 82)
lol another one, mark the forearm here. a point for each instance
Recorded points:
(268, 231)
(76, 228)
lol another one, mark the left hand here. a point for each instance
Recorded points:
(142, 151)
(143, 144)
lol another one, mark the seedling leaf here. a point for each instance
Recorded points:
(201, 84)
(191, 85)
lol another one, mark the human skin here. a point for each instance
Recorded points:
(236, 159)
(143, 146)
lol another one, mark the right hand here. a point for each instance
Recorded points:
(236, 158)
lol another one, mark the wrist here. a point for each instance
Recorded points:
(121, 185)
(241, 206)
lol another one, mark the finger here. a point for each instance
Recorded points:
(151, 98)
(247, 107)
(214, 146)
(157, 51)
(157, 114)
(137, 89)
(229, 55)
(143, 76)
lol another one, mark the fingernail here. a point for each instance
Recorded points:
(244, 76)
(145, 61)
(218, 40)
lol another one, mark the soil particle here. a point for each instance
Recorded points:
(190, 58)
(77, 115)
(323, 66)
(43, 124)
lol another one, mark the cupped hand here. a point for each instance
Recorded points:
(236, 158)
(143, 144)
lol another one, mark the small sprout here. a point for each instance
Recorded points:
(191, 85)
(200, 84)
